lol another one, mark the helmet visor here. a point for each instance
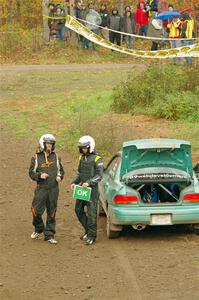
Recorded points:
(84, 145)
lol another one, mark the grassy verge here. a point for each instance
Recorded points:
(76, 103)
(55, 53)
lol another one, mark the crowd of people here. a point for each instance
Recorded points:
(137, 19)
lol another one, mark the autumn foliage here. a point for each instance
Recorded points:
(28, 14)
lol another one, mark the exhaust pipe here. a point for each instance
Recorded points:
(139, 227)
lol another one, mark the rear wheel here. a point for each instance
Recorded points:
(111, 234)
(196, 228)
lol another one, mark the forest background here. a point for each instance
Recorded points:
(22, 30)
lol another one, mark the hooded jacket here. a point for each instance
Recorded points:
(141, 17)
(115, 21)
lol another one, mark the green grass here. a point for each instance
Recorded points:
(60, 102)
(70, 104)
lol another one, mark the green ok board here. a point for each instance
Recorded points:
(82, 193)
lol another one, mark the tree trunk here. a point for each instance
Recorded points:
(46, 31)
(73, 35)
(121, 7)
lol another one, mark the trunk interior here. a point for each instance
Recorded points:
(167, 192)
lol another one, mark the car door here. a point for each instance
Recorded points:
(107, 182)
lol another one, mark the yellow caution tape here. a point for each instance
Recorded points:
(186, 51)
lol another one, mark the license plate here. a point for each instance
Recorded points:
(163, 219)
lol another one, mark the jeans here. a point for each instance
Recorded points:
(187, 43)
(175, 44)
(85, 43)
(129, 41)
(154, 46)
(96, 31)
(114, 36)
(60, 33)
(143, 30)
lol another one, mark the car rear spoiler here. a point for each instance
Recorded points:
(158, 177)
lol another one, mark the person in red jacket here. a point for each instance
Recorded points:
(142, 19)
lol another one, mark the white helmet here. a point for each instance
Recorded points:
(87, 141)
(47, 138)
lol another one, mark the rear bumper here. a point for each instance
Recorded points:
(120, 215)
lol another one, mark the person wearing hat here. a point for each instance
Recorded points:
(89, 174)
(46, 169)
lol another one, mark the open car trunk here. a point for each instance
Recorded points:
(159, 169)
(158, 185)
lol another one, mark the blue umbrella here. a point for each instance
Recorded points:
(167, 15)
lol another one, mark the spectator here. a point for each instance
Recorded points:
(175, 27)
(165, 22)
(78, 10)
(187, 31)
(127, 8)
(133, 15)
(60, 23)
(142, 19)
(170, 7)
(115, 23)
(94, 18)
(128, 26)
(163, 6)
(51, 22)
(104, 14)
(153, 5)
(155, 30)
(83, 14)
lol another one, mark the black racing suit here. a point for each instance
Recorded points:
(89, 170)
(46, 192)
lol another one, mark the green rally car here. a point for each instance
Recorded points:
(150, 182)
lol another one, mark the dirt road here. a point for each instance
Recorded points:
(158, 264)
(67, 67)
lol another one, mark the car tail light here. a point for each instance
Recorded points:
(120, 199)
(193, 198)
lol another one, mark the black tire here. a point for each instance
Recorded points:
(110, 233)
(196, 231)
